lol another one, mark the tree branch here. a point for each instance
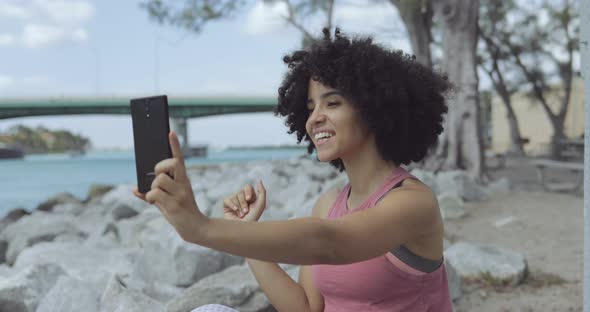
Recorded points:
(292, 21)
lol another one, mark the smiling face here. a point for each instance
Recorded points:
(335, 127)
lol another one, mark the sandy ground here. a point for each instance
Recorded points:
(548, 230)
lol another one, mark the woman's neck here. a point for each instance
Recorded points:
(366, 171)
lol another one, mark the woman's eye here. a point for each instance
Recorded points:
(333, 103)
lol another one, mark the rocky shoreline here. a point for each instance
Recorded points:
(114, 252)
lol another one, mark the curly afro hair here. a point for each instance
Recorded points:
(400, 100)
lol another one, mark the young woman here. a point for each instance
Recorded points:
(377, 243)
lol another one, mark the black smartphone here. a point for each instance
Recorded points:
(150, 137)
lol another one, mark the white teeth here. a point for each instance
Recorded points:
(322, 135)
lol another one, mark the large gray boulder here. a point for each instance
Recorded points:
(61, 198)
(118, 297)
(11, 217)
(165, 257)
(460, 183)
(236, 287)
(71, 208)
(121, 195)
(300, 189)
(70, 295)
(501, 186)
(158, 290)
(22, 292)
(95, 191)
(123, 211)
(476, 261)
(5, 271)
(454, 281)
(81, 262)
(35, 228)
(451, 206)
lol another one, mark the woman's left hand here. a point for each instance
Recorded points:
(172, 193)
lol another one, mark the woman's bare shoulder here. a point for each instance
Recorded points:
(325, 202)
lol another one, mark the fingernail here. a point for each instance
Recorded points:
(248, 197)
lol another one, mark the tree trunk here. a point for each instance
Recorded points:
(558, 123)
(417, 17)
(463, 125)
(499, 83)
(516, 147)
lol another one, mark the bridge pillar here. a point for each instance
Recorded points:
(179, 126)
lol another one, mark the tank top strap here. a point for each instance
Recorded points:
(340, 202)
(398, 175)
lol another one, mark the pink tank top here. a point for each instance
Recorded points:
(384, 283)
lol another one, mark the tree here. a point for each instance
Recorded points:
(417, 17)
(495, 62)
(194, 14)
(542, 46)
(461, 142)
(460, 145)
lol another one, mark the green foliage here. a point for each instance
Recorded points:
(539, 39)
(191, 14)
(43, 140)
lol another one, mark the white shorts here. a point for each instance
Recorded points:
(214, 308)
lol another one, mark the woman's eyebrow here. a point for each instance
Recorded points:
(325, 95)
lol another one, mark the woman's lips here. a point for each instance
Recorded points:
(323, 141)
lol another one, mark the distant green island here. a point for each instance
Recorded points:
(41, 140)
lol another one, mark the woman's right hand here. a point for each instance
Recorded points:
(245, 205)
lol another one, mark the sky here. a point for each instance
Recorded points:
(54, 48)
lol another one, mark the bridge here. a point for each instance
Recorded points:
(180, 108)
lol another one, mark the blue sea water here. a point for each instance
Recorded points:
(27, 182)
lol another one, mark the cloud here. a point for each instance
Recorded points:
(7, 39)
(265, 18)
(14, 11)
(66, 12)
(6, 81)
(35, 35)
(46, 22)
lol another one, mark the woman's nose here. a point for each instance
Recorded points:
(317, 116)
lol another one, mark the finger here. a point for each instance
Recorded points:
(158, 196)
(230, 204)
(177, 154)
(236, 202)
(242, 200)
(237, 205)
(261, 189)
(138, 194)
(167, 166)
(249, 191)
(164, 182)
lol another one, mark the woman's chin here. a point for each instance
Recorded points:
(325, 158)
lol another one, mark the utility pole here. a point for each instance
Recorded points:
(585, 56)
